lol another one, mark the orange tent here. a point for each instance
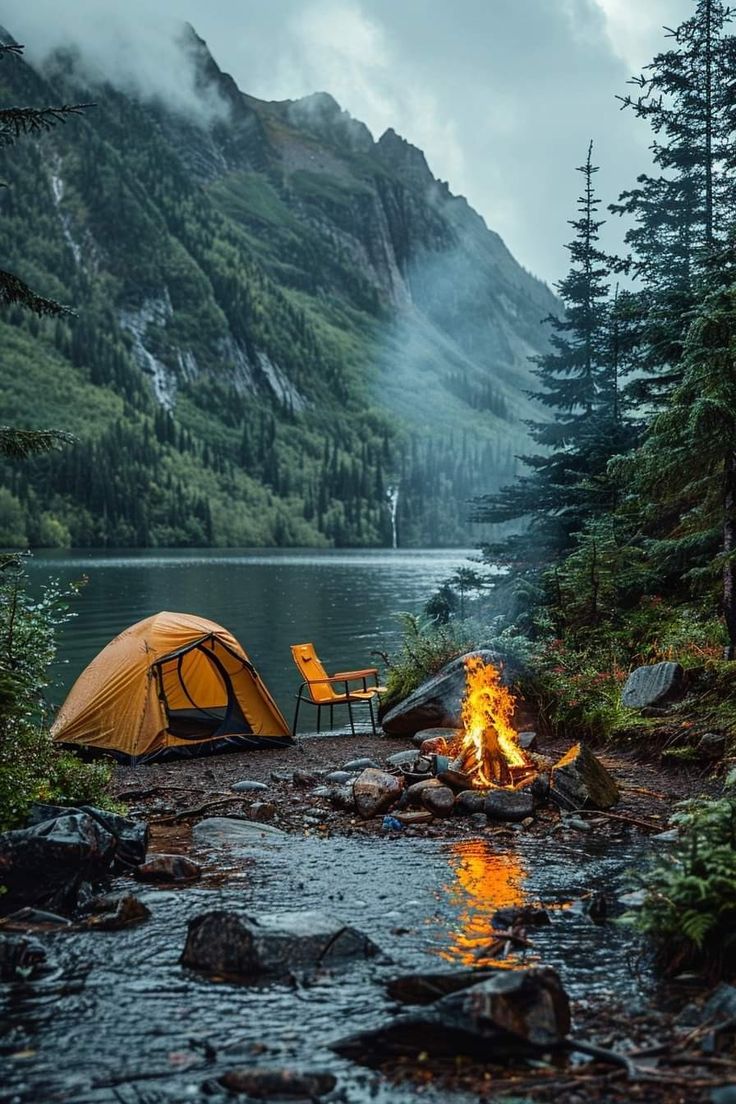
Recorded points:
(171, 686)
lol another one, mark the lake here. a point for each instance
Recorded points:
(346, 602)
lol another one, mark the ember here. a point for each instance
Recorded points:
(489, 751)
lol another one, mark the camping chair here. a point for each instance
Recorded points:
(322, 690)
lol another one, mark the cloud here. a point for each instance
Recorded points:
(634, 29)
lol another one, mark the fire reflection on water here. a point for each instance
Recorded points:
(483, 880)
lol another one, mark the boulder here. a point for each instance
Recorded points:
(511, 1014)
(428, 988)
(653, 684)
(438, 800)
(403, 758)
(45, 865)
(437, 702)
(470, 801)
(375, 791)
(527, 740)
(21, 957)
(262, 1084)
(513, 805)
(114, 913)
(248, 946)
(168, 868)
(233, 832)
(131, 836)
(449, 735)
(580, 779)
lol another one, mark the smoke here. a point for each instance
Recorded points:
(137, 47)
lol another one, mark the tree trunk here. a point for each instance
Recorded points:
(729, 548)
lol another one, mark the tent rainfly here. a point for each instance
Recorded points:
(172, 686)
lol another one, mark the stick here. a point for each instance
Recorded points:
(626, 819)
(603, 1055)
(195, 811)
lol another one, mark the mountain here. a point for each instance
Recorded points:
(283, 327)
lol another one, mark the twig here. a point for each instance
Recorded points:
(195, 811)
(604, 1055)
(626, 819)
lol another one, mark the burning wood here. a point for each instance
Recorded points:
(490, 753)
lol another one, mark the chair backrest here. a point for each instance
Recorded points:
(310, 668)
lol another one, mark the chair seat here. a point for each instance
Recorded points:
(341, 699)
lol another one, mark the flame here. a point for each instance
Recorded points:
(487, 710)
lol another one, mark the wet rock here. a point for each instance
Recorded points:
(672, 835)
(232, 832)
(340, 776)
(527, 740)
(508, 805)
(306, 778)
(414, 816)
(438, 800)
(437, 702)
(168, 868)
(115, 913)
(580, 780)
(513, 1013)
(354, 765)
(25, 918)
(437, 745)
(653, 684)
(413, 794)
(247, 784)
(470, 801)
(478, 820)
(712, 745)
(446, 734)
(44, 866)
(428, 988)
(21, 957)
(262, 810)
(525, 916)
(342, 797)
(261, 1084)
(456, 779)
(403, 758)
(539, 787)
(249, 946)
(131, 836)
(375, 791)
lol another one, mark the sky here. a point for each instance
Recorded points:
(503, 96)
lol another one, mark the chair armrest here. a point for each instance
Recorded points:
(356, 674)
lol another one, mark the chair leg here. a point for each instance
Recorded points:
(319, 716)
(332, 717)
(373, 719)
(296, 714)
(350, 714)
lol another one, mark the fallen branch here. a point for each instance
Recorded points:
(185, 813)
(604, 1055)
(626, 819)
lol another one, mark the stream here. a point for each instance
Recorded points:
(119, 1020)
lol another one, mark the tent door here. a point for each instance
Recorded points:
(198, 696)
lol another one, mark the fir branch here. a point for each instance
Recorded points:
(17, 121)
(19, 444)
(13, 291)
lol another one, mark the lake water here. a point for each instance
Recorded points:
(346, 602)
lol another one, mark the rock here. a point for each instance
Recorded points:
(342, 797)
(436, 745)
(653, 684)
(21, 957)
(112, 914)
(437, 702)
(525, 916)
(470, 801)
(712, 745)
(354, 765)
(415, 816)
(403, 758)
(428, 988)
(721, 1004)
(579, 780)
(511, 1014)
(168, 868)
(413, 794)
(306, 778)
(249, 946)
(508, 805)
(438, 800)
(281, 776)
(340, 776)
(262, 810)
(375, 791)
(246, 785)
(527, 740)
(578, 824)
(232, 832)
(478, 820)
(456, 779)
(672, 835)
(131, 836)
(263, 1083)
(449, 735)
(539, 787)
(45, 865)
(26, 918)
(725, 1094)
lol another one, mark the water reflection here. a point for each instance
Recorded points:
(482, 880)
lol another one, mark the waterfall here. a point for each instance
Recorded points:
(392, 496)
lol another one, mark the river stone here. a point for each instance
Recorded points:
(375, 791)
(580, 779)
(262, 810)
(403, 758)
(470, 801)
(438, 800)
(447, 734)
(526, 916)
(21, 957)
(435, 745)
(527, 740)
(514, 805)
(413, 794)
(168, 868)
(653, 684)
(511, 1014)
(244, 945)
(414, 816)
(232, 832)
(278, 1083)
(248, 784)
(354, 765)
(340, 776)
(437, 702)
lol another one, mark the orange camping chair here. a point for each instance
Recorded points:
(326, 691)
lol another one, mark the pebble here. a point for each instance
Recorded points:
(340, 776)
(248, 784)
(403, 758)
(360, 764)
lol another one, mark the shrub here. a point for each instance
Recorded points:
(425, 649)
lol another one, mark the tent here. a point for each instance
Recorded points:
(172, 686)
